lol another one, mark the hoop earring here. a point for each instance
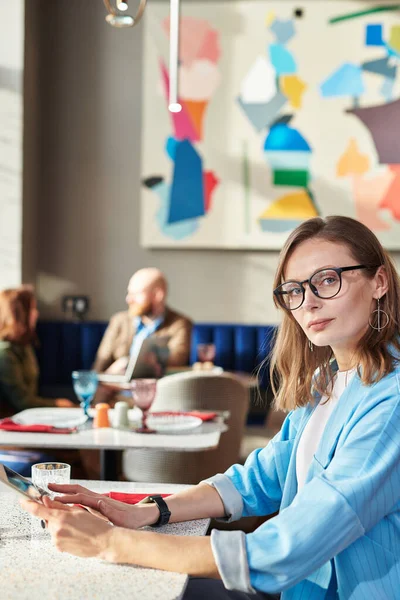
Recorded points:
(311, 346)
(382, 318)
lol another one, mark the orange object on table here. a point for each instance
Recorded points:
(101, 416)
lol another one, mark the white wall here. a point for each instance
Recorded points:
(82, 155)
(11, 123)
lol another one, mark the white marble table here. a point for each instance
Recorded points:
(31, 568)
(206, 437)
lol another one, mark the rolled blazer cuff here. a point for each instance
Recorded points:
(231, 498)
(230, 555)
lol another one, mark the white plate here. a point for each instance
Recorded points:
(58, 417)
(172, 423)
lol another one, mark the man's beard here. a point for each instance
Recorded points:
(140, 310)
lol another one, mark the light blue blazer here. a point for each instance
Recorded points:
(339, 537)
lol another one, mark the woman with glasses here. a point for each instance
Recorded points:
(333, 471)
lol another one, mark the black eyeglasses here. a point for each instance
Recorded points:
(324, 283)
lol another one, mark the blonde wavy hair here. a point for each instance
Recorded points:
(293, 364)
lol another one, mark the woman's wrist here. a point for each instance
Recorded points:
(149, 514)
(109, 546)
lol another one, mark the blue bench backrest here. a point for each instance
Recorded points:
(67, 346)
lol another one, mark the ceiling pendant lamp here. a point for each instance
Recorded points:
(116, 13)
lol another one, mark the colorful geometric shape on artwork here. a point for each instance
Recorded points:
(210, 48)
(283, 30)
(296, 205)
(196, 111)
(391, 200)
(391, 52)
(374, 35)
(287, 212)
(183, 128)
(345, 81)
(176, 231)
(170, 147)
(210, 183)
(261, 115)
(293, 87)
(152, 181)
(269, 19)
(187, 190)
(368, 192)
(259, 85)
(282, 60)
(283, 137)
(381, 66)
(285, 119)
(394, 38)
(288, 159)
(352, 161)
(387, 89)
(381, 121)
(278, 225)
(199, 80)
(291, 177)
(363, 13)
(192, 33)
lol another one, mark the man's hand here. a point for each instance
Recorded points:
(64, 403)
(72, 529)
(119, 513)
(118, 367)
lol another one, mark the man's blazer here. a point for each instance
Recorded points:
(118, 337)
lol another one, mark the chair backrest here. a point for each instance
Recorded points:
(189, 391)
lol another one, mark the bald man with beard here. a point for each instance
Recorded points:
(147, 314)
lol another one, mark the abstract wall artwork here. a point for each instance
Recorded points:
(289, 110)
(12, 26)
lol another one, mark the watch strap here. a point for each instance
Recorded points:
(165, 513)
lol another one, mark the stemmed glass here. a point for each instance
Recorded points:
(143, 394)
(85, 385)
(206, 353)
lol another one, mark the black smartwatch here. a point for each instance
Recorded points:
(165, 514)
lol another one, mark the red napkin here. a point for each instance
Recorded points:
(10, 425)
(131, 498)
(203, 415)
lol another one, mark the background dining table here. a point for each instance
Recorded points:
(32, 569)
(108, 440)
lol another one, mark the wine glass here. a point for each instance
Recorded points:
(85, 385)
(206, 353)
(143, 394)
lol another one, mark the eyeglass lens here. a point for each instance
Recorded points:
(324, 284)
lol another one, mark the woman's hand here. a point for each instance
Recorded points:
(119, 513)
(73, 529)
(64, 403)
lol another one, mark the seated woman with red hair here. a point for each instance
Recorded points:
(19, 370)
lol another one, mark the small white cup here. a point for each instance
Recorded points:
(120, 417)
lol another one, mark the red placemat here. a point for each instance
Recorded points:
(10, 425)
(201, 414)
(132, 498)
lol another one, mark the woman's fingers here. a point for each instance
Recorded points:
(49, 503)
(84, 499)
(36, 509)
(66, 488)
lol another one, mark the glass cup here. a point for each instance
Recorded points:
(85, 385)
(143, 394)
(206, 353)
(50, 472)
